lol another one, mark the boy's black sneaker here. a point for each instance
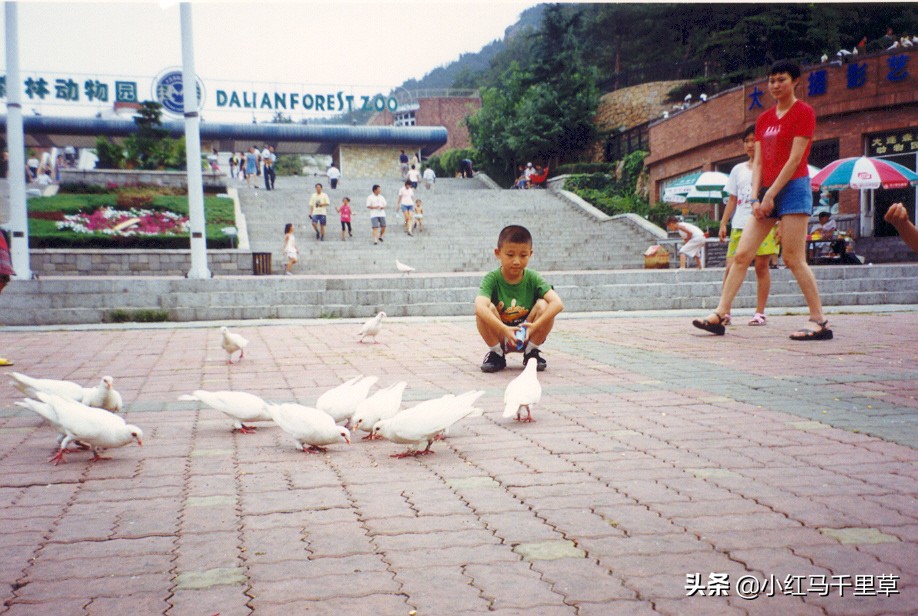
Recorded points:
(493, 362)
(541, 364)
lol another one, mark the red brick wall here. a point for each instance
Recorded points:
(448, 112)
(708, 133)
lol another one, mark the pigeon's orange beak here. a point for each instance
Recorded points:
(139, 441)
(348, 440)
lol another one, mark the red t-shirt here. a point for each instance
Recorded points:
(776, 137)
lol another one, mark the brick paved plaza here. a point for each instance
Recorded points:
(658, 453)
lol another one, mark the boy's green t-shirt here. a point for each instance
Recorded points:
(514, 301)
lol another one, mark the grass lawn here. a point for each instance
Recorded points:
(46, 212)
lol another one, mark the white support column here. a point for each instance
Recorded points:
(19, 215)
(199, 267)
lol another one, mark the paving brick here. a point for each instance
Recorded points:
(512, 585)
(582, 581)
(223, 600)
(440, 590)
(139, 603)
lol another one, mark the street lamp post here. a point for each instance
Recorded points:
(199, 267)
(19, 217)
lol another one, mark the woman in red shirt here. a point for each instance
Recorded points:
(780, 178)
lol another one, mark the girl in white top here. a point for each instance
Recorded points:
(290, 251)
(406, 203)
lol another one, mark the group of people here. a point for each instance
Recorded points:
(252, 165)
(530, 177)
(411, 207)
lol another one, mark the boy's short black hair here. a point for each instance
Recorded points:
(750, 130)
(785, 66)
(514, 234)
(824, 213)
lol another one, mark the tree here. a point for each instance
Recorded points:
(545, 113)
(150, 146)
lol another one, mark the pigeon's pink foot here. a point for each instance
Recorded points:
(246, 429)
(371, 437)
(314, 449)
(98, 457)
(58, 458)
(406, 454)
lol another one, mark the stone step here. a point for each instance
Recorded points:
(69, 300)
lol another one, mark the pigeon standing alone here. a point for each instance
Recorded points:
(426, 421)
(231, 343)
(339, 402)
(405, 269)
(522, 392)
(239, 406)
(102, 396)
(308, 426)
(371, 328)
(97, 428)
(383, 404)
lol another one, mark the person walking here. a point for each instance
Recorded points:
(318, 212)
(251, 167)
(290, 251)
(334, 174)
(345, 211)
(406, 204)
(781, 189)
(737, 212)
(268, 158)
(376, 203)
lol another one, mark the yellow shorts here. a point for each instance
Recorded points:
(769, 245)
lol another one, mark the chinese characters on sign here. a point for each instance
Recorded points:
(897, 142)
(856, 76)
(67, 89)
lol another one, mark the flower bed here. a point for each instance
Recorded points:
(126, 223)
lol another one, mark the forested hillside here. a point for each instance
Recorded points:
(727, 40)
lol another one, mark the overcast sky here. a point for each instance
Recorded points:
(338, 43)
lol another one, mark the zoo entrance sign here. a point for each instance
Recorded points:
(99, 92)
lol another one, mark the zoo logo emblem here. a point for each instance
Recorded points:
(168, 90)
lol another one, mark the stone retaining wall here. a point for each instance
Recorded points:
(103, 177)
(67, 262)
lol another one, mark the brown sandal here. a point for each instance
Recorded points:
(717, 329)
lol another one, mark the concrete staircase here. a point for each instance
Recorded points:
(462, 219)
(72, 300)
(594, 262)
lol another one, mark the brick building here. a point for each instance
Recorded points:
(447, 108)
(867, 106)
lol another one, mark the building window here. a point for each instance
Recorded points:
(405, 119)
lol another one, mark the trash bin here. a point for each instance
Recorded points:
(261, 263)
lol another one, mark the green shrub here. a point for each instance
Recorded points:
(447, 163)
(119, 315)
(288, 164)
(572, 168)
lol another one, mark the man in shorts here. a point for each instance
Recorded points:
(376, 203)
(738, 211)
(318, 212)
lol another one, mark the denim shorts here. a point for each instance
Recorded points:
(319, 219)
(407, 208)
(378, 221)
(795, 198)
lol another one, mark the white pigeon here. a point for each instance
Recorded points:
(47, 413)
(824, 58)
(383, 404)
(102, 396)
(371, 328)
(308, 426)
(97, 428)
(523, 392)
(427, 421)
(237, 405)
(340, 401)
(231, 343)
(405, 269)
